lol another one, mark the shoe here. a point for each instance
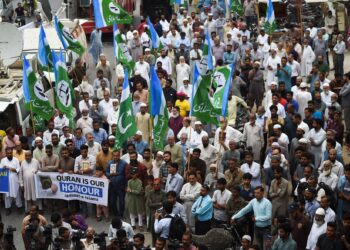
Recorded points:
(8, 211)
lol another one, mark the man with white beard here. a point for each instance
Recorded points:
(112, 117)
(183, 71)
(85, 122)
(26, 178)
(12, 164)
(85, 86)
(186, 88)
(319, 227)
(157, 163)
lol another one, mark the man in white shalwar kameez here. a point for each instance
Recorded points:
(26, 179)
(271, 67)
(253, 136)
(12, 164)
(112, 117)
(183, 71)
(189, 193)
(318, 227)
(307, 59)
(197, 135)
(143, 67)
(316, 136)
(230, 134)
(302, 97)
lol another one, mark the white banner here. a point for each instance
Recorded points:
(71, 187)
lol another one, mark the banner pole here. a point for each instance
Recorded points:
(32, 116)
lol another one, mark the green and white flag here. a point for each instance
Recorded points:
(222, 78)
(121, 51)
(126, 126)
(64, 90)
(67, 40)
(34, 93)
(270, 23)
(202, 104)
(107, 12)
(159, 111)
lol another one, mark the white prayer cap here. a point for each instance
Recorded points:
(303, 85)
(147, 50)
(138, 132)
(320, 211)
(137, 72)
(274, 83)
(210, 14)
(115, 100)
(135, 32)
(325, 85)
(111, 137)
(277, 126)
(213, 166)
(160, 153)
(38, 139)
(197, 123)
(185, 79)
(247, 237)
(303, 140)
(143, 105)
(275, 144)
(302, 128)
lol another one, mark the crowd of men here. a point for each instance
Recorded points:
(276, 168)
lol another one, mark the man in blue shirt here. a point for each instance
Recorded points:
(99, 133)
(202, 209)
(229, 57)
(174, 180)
(284, 73)
(140, 144)
(115, 172)
(262, 209)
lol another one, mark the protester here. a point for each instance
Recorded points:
(215, 112)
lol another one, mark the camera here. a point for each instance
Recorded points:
(78, 235)
(10, 229)
(159, 210)
(100, 240)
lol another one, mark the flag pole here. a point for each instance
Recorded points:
(189, 152)
(31, 115)
(152, 136)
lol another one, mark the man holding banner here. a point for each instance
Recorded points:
(11, 164)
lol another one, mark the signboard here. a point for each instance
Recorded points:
(72, 187)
